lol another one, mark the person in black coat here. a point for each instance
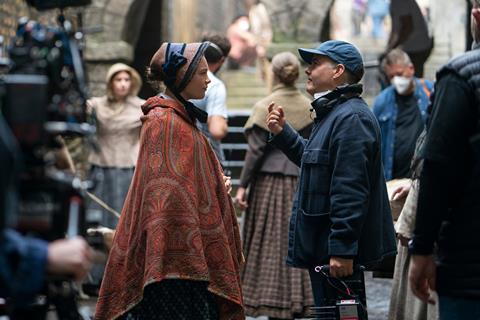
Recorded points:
(445, 247)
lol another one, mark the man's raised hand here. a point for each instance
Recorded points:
(275, 118)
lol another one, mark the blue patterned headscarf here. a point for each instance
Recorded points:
(178, 63)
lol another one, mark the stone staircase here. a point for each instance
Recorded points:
(442, 52)
(244, 89)
(234, 145)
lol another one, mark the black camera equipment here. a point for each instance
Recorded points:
(52, 4)
(43, 96)
(345, 298)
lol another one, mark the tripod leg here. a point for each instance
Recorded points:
(62, 296)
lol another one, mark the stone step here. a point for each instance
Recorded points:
(245, 102)
(236, 91)
(241, 76)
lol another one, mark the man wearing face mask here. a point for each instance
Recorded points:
(401, 111)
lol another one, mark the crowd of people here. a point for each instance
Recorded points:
(314, 186)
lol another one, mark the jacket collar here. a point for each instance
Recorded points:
(326, 103)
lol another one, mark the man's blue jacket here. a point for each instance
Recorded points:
(341, 205)
(385, 109)
(23, 260)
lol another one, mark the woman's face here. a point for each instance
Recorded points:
(196, 88)
(121, 84)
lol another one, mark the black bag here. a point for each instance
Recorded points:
(345, 298)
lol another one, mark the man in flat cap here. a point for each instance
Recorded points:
(341, 215)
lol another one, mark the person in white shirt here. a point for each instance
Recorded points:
(215, 100)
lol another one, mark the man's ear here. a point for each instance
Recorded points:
(339, 71)
(219, 64)
(475, 24)
(476, 16)
(411, 69)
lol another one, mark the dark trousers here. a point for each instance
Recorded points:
(318, 286)
(451, 308)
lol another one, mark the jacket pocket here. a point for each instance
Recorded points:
(316, 180)
(311, 241)
(316, 171)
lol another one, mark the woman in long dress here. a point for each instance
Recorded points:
(117, 118)
(270, 287)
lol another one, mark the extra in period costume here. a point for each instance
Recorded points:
(177, 251)
(118, 133)
(270, 287)
(178, 221)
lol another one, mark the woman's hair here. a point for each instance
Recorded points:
(154, 78)
(285, 67)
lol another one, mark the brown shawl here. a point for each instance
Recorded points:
(178, 221)
(295, 105)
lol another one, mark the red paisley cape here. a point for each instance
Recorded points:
(178, 221)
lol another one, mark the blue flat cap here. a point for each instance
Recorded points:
(340, 52)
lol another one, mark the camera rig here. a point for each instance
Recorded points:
(43, 97)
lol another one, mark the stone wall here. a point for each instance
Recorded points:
(297, 20)
(123, 23)
(215, 15)
(10, 12)
(449, 23)
(109, 46)
(449, 18)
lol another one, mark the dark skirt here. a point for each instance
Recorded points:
(111, 187)
(270, 287)
(175, 299)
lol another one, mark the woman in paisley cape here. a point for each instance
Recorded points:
(177, 250)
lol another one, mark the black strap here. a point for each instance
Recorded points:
(193, 111)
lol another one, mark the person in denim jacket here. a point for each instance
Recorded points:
(401, 110)
(340, 214)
